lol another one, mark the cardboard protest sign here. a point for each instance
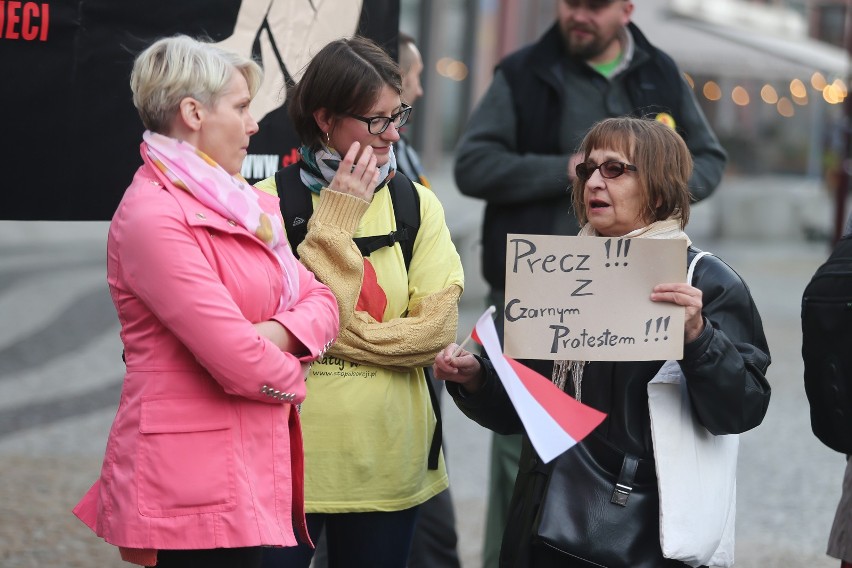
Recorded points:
(588, 298)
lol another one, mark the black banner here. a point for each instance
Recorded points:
(69, 141)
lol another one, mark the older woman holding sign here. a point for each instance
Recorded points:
(598, 502)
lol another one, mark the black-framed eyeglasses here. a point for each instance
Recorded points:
(609, 169)
(378, 124)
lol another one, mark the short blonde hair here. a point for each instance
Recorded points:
(177, 67)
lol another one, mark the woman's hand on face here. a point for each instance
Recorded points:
(683, 294)
(358, 179)
(463, 368)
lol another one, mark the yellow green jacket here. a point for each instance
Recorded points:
(367, 418)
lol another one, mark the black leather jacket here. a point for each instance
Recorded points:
(725, 376)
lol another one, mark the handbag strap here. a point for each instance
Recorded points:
(694, 262)
(624, 485)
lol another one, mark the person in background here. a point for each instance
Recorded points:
(411, 65)
(203, 465)
(435, 539)
(519, 150)
(840, 538)
(372, 456)
(631, 182)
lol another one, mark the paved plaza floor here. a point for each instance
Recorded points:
(60, 375)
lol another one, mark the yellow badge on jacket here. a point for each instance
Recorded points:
(666, 119)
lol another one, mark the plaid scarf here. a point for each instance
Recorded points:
(322, 165)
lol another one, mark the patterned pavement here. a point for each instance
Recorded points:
(60, 373)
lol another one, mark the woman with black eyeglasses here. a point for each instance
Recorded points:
(380, 243)
(632, 183)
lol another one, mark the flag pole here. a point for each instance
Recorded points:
(491, 310)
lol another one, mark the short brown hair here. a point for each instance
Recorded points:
(405, 58)
(661, 157)
(345, 76)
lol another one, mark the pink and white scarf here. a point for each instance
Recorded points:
(230, 196)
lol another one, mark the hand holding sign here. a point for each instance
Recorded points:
(683, 295)
(590, 298)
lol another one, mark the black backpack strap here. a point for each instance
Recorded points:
(438, 434)
(297, 207)
(406, 211)
(296, 204)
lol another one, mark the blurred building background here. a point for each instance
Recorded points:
(771, 76)
(774, 94)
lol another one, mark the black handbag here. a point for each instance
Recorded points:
(601, 506)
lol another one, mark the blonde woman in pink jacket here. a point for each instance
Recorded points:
(203, 464)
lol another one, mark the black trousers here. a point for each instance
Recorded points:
(249, 557)
(435, 538)
(546, 557)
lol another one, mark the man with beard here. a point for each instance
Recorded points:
(518, 151)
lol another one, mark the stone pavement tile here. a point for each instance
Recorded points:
(37, 528)
(788, 483)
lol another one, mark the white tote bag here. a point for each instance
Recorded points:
(696, 474)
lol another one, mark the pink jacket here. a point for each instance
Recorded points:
(206, 447)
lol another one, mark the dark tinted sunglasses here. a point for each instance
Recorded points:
(609, 169)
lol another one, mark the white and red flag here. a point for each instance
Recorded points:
(553, 420)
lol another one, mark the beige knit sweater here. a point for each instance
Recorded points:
(330, 253)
